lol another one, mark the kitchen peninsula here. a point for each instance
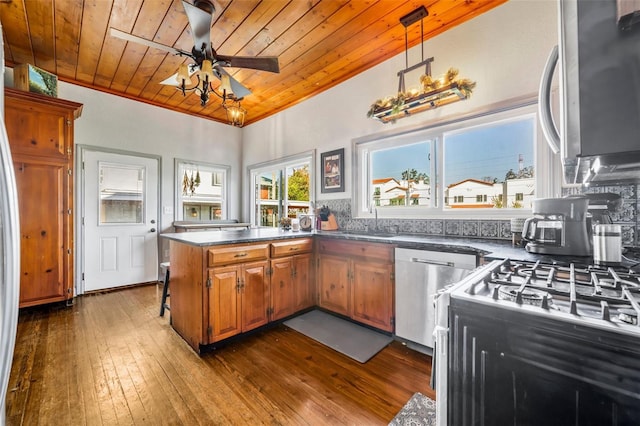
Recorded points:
(225, 283)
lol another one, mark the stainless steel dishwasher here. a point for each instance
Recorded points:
(419, 275)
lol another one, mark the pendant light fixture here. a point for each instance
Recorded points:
(432, 92)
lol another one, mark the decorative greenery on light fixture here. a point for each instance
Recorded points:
(433, 92)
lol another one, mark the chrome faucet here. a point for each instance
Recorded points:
(374, 209)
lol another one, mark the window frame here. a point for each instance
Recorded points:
(215, 168)
(254, 171)
(548, 178)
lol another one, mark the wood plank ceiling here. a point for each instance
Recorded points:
(319, 43)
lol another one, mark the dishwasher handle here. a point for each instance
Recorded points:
(433, 262)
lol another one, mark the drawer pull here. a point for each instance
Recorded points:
(240, 255)
(293, 248)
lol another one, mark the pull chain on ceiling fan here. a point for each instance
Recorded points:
(207, 63)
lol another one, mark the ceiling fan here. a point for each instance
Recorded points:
(207, 62)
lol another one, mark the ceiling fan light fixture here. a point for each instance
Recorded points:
(183, 74)
(206, 70)
(225, 84)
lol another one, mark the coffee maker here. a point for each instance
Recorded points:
(559, 226)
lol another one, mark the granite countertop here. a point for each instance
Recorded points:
(213, 238)
(490, 249)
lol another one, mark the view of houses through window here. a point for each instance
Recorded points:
(490, 166)
(121, 194)
(401, 175)
(202, 190)
(282, 191)
(487, 166)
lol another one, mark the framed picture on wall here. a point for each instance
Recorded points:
(332, 163)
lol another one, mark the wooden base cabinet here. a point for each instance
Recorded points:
(40, 132)
(334, 275)
(291, 284)
(238, 299)
(221, 291)
(356, 279)
(372, 294)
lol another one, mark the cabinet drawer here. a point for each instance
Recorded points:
(291, 247)
(378, 251)
(226, 255)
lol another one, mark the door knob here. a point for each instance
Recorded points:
(153, 229)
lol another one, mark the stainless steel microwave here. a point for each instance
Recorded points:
(599, 63)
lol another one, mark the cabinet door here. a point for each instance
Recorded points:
(44, 225)
(225, 313)
(302, 282)
(255, 295)
(372, 294)
(282, 288)
(37, 129)
(333, 283)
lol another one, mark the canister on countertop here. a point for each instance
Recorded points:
(607, 244)
(516, 231)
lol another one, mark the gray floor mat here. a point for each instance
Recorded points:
(354, 341)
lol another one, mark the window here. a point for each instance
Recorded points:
(201, 191)
(121, 193)
(482, 165)
(491, 161)
(282, 189)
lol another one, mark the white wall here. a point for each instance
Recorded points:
(503, 50)
(118, 123)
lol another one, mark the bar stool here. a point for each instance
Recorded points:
(165, 267)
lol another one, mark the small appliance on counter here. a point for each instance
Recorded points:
(600, 206)
(559, 226)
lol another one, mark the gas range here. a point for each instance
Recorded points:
(602, 297)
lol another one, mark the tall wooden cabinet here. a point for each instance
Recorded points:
(40, 131)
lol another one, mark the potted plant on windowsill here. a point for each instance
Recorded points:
(285, 223)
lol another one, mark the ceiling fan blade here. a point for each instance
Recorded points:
(262, 63)
(200, 23)
(239, 91)
(145, 42)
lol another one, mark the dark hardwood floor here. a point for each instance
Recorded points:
(110, 359)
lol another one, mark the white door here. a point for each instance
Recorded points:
(120, 205)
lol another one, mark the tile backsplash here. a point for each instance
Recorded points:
(627, 217)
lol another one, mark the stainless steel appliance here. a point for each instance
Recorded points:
(559, 226)
(9, 255)
(600, 102)
(532, 343)
(420, 274)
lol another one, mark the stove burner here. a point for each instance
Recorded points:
(526, 296)
(629, 316)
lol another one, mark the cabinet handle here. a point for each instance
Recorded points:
(293, 248)
(240, 255)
